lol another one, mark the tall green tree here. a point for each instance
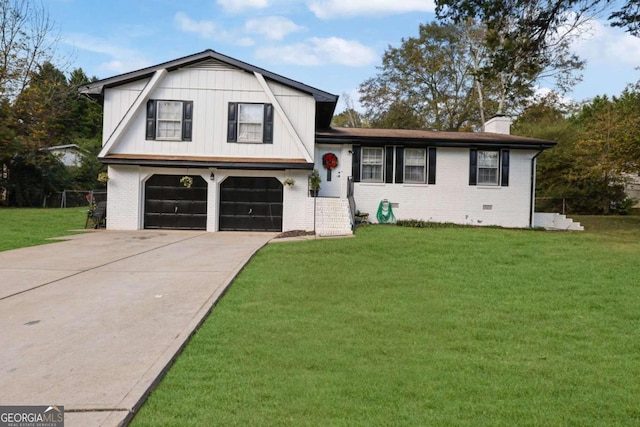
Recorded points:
(51, 112)
(428, 76)
(525, 42)
(611, 133)
(42, 108)
(588, 167)
(84, 115)
(453, 78)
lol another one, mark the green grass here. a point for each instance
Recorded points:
(30, 227)
(419, 327)
(620, 227)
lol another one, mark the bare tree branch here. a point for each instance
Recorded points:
(28, 38)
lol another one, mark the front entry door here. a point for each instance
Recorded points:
(331, 181)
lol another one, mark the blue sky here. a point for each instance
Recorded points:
(333, 45)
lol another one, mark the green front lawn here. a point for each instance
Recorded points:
(30, 227)
(423, 327)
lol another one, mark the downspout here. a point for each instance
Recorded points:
(533, 187)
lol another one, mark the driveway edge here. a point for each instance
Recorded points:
(138, 395)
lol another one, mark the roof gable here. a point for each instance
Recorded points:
(325, 101)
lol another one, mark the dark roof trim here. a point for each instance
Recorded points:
(96, 88)
(381, 142)
(206, 164)
(382, 137)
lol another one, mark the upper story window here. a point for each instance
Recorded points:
(252, 123)
(489, 167)
(415, 165)
(169, 120)
(372, 164)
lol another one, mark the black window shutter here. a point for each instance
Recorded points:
(505, 168)
(355, 163)
(431, 178)
(187, 120)
(267, 129)
(151, 119)
(399, 165)
(473, 166)
(388, 175)
(232, 124)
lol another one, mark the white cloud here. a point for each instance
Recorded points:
(602, 44)
(210, 30)
(120, 66)
(325, 9)
(318, 51)
(272, 27)
(244, 41)
(121, 60)
(205, 29)
(236, 6)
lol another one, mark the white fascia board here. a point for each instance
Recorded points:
(126, 121)
(283, 116)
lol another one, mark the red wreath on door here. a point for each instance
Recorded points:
(330, 161)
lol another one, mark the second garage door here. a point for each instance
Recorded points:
(250, 204)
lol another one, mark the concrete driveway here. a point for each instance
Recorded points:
(91, 323)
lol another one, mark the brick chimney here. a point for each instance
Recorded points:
(498, 124)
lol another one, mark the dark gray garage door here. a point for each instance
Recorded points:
(250, 204)
(171, 205)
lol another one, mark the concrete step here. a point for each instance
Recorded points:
(333, 217)
(556, 221)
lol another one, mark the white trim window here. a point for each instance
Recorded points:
(415, 165)
(250, 122)
(169, 120)
(488, 167)
(372, 164)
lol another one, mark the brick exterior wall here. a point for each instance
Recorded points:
(452, 199)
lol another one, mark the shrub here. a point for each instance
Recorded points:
(418, 223)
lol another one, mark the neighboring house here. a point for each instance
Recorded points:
(68, 154)
(632, 189)
(240, 133)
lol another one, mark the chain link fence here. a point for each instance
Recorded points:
(74, 198)
(582, 205)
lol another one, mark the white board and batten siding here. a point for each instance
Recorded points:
(212, 88)
(452, 199)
